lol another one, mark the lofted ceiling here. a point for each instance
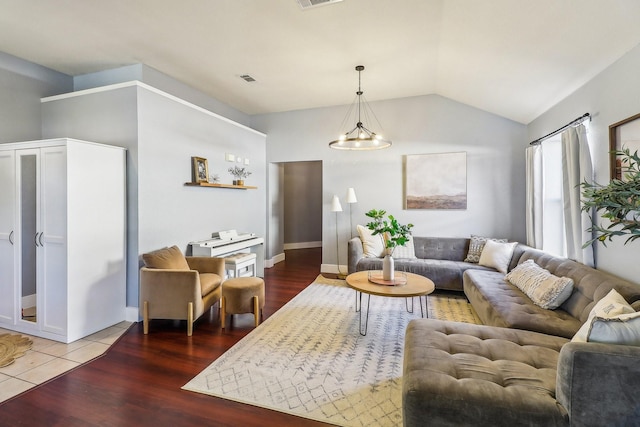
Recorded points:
(515, 58)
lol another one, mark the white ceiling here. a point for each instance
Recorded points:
(515, 58)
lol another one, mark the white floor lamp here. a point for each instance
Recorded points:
(351, 199)
(337, 207)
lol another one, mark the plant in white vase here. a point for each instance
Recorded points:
(393, 234)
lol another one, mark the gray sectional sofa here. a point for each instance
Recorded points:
(520, 368)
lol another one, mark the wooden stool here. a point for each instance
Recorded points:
(242, 295)
(238, 262)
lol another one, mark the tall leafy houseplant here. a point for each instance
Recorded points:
(393, 234)
(619, 202)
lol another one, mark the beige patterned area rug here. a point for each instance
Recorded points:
(309, 359)
(11, 347)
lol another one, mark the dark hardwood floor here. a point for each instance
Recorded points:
(137, 382)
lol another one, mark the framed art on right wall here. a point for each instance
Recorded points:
(624, 134)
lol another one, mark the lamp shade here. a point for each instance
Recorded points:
(351, 195)
(335, 204)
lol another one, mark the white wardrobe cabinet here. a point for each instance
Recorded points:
(62, 237)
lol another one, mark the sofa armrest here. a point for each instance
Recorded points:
(169, 291)
(355, 253)
(597, 383)
(207, 265)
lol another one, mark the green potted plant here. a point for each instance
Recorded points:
(619, 202)
(393, 234)
(239, 174)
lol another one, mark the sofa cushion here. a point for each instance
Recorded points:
(544, 289)
(168, 258)
(462, 374)
(497, 255)
(499, 303)
(448, 248)
(209, 282)
(373, 246)
(406, 251)
(612, 320)
(589, 285)
(476, 245)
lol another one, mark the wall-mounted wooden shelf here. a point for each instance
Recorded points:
(206, 184)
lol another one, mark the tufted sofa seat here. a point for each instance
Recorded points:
(459, 374)
(463, 374)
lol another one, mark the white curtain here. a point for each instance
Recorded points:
(576, 167)
(533, 214)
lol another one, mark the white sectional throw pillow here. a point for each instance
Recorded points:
(373, 245)
(476, 245)
(497, 255)
(545, 289)
(613, 321)
(406, 251)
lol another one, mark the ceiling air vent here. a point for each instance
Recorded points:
(247, 78)
(307, 4)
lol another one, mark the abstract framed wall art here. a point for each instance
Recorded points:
(436, 181)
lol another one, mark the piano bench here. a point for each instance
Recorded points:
(236, 263)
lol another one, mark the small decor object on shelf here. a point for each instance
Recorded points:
(393, 234)
(214, 179)
(618, 200)
(239, 174)
(200, 170)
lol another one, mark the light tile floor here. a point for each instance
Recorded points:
(47, 359)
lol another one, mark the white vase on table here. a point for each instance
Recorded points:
(388, 267)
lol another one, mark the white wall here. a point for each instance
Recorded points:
(161, 134)
(611, 96)
(171, 213)
(418, 125)
(22, 84)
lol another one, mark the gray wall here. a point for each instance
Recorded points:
(22, 84)
(611, 96)
(418, 125)
(302, 202)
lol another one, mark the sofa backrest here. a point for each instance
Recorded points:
(449, 248)
(590, 285)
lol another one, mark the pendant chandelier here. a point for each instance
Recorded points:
(360, 137)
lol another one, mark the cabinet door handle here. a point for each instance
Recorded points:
(40, 239)
(11, 237)
(35, 239)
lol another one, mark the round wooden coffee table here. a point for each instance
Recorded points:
(415, 286)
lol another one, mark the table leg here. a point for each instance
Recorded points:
(366, 318)
(406, 304)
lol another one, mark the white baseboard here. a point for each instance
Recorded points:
(268, 263)
(333, 268)
(132, 314)
(302, 245)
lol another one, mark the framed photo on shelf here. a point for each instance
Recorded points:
(622, 135)
(200, 169)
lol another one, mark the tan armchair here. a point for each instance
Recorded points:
(173, 286)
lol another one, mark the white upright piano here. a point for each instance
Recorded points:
(228, 242)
